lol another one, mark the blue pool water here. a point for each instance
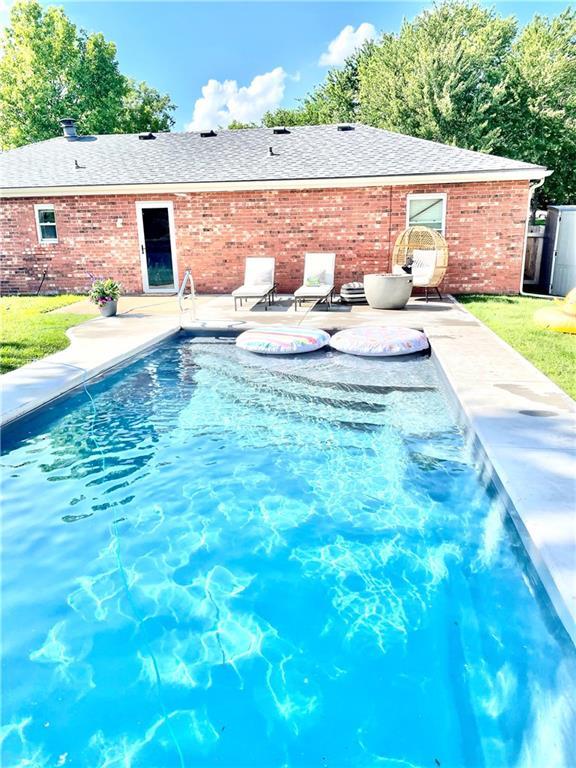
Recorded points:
(224, 560)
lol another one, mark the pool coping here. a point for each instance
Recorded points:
(526, 510)
(497, 395)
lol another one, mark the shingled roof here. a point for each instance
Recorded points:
(258, 154)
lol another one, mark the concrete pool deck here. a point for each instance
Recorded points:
(524, 424)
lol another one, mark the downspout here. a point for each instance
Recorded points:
(533, 186)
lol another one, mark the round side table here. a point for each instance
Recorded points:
(387, 291)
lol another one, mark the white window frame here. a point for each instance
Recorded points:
(44, 207)
(428, 196)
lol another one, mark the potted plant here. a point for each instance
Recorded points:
(105, 294)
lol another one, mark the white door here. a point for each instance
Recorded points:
(564, 258)
(157, 246)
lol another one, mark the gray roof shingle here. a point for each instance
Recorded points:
(306, 152)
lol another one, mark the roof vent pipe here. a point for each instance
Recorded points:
(68, 125)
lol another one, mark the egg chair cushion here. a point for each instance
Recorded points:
(423, 266)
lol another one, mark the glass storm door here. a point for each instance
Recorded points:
(157, 257)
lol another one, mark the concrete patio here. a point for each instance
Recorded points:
(209, 309)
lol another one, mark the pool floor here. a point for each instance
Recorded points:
(215, 559)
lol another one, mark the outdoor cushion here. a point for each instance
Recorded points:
(423, 266)
(282, 340)
(319, 266)
(355, 287)
(259, 270)
(323, 289)
(252, 291)
(379, 341)
(353, 293)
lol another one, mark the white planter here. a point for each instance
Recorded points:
(109, 309)
(387, 291)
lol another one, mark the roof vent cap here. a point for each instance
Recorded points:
(280, 130)
(207, 134)
(146, 136)
(68, 125)
(344, 127)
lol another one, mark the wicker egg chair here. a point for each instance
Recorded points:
(427, 252)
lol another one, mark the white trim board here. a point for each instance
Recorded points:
(234, 186)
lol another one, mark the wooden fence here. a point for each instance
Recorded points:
(534, 248)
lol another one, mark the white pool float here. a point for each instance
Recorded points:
(282, 340)
(379, 341)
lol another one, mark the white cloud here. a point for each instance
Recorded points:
(222, 102)
(344, 44)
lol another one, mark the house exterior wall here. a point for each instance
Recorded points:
(216, 231)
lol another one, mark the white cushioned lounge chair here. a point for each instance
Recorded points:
(258, 281)
(318, 279)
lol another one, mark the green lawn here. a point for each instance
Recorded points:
(27, 332)
(511, 318)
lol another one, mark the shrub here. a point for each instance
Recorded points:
(103, 291)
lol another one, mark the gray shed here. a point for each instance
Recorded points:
(560, 250)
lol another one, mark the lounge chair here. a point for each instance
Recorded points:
(318, 279)
(258, 281)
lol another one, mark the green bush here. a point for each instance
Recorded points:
(103, 291)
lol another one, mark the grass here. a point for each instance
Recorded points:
(511, 317)
(27, 333)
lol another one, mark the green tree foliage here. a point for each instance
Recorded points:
(144, 109)
(336, 100)
(440, 77)
(50, 69)
(538, 118)
(460, 74)
(237, 125)
(297, 116)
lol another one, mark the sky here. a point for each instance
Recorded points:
(235, 60)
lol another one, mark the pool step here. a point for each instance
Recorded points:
(406, 409)
(347, 393)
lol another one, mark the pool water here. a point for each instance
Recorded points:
(215, 559)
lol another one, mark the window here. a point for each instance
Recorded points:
(426, 211)
(46, 224)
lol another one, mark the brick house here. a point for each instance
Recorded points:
(143, 208)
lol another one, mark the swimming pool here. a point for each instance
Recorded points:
(215, 559)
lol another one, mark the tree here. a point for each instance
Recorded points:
(237, 125)
(281, 116)
(334, 101)
(440, 78)
(538, 117)
(145, 109)
(50, 69)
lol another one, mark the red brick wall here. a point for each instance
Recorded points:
(215, 231)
